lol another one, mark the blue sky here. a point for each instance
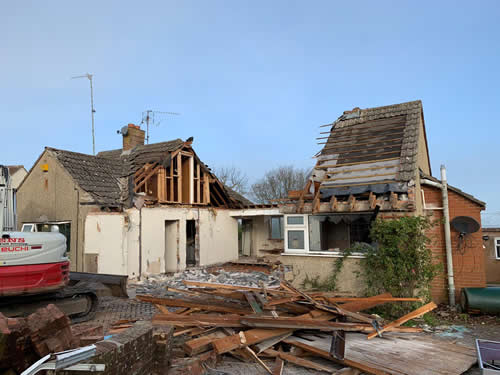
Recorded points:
(253, 80)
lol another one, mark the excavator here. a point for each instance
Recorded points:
(35, 268)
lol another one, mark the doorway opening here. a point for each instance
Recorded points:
(172, 258)
(190, 243)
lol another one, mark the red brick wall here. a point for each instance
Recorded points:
(468, 263)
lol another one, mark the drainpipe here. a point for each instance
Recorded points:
(140, 243)
(447, 233)
(77, 222)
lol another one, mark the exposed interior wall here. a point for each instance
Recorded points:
(261, 237)
(108, 244)
(218, 236)
(115, 239)
(321, 267)
(52, 195)
(491, 263)
(468, 260)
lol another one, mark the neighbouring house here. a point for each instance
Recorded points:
(141, 209)
(491, 238)
(375, 164)
(17, 174)
(11, 177)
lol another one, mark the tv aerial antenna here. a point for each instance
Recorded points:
(92, 109)
(154, 118)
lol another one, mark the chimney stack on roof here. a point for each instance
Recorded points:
(134, 136)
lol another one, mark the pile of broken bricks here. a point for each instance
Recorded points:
(258, 324)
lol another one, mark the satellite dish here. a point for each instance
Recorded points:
(465, 224)
(123, 130)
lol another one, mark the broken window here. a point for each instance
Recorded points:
(337, 232)
(276, 228)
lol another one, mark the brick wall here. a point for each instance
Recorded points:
(133, 352)
(468, 260)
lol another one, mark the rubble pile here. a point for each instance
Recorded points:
(155, 284)
(257, 317)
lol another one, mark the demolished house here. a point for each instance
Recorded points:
(141, 209)
(375, 164)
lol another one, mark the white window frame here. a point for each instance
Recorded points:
(496, 243)
(294, 227)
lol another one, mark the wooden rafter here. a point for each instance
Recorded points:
(352, 202)
(334, 203)
(148, 176)
(372, 198)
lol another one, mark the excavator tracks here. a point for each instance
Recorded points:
(78, 302)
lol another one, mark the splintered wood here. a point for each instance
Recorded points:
(284, 324)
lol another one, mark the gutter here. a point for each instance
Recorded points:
(447, 233)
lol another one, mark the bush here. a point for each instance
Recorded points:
(400, 261)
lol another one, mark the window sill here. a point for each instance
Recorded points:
(326, 254)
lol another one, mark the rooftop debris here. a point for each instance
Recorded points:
(278, 322)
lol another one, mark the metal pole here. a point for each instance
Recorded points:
(92, 110)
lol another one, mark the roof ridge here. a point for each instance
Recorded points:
(71, 152)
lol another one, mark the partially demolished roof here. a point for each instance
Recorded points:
(98, 176)
(108, 176)
(135, 158)
(373, 149)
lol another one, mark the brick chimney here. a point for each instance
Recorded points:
(134, 137)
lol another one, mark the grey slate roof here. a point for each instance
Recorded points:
(372, 146)
(238, 197)
(98, 176)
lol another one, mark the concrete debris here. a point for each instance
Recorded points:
(155, 284)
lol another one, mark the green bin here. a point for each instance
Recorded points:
(486, 300)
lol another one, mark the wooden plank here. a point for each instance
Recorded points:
(266, 344)
(369, 299)
(148, 176)
(171, 193)
(253, 303)
(201, 344)
(412, 315)
(161, 184)
(278, 366)
(254, 336)
(325, 354)
(179, 178)
(294, 323)
(221, 307)
(163, 309)
(369, 303)
(198, 183)
(232, 287)
(258, 360)
(299, 361)
(199, 320)
(281, 301)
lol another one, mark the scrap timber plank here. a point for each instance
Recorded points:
(299, 361)
(412, 315)
(201, 344)
(295, 341)
(220, 307)
(233, 287)
(198, 320)
(254, 336)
